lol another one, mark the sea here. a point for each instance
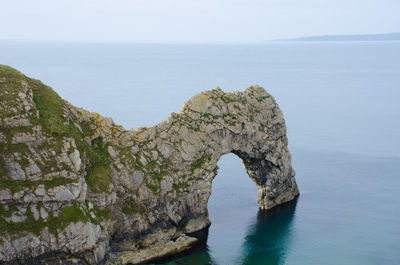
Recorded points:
(341, 103)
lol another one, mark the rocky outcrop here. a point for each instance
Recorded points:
(79, 189)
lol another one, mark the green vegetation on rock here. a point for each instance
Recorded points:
(261, 99)
(97, 176)
(180, 185)
(226, 99)
(51, 109)
(67, 215)
(17, 185)
(101, 213)
(130, 207)
(161, 174)
(152, 187)
(54, 122)
(200, 162)
(10, 84)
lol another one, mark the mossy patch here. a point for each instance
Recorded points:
(51, 109)
(11, 131)
(98, 174)
(227, 99)
(17, 185)
(130, 207)
(97, 177)
(191, 127)
(11, 148)
(8, 71)
(54, 122)
(180, 185)
(151, 186)
(230, 119)
(262, 98)
(101, 213)
(51, 117)
(3, 169)
(10, 86)
(67, 215)
(198, 163)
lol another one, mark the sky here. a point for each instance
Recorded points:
(192, 21)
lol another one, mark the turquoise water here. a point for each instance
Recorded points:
(348, 213)
(341, 105)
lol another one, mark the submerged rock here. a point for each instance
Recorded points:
(93, 192)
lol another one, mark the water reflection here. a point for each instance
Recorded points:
(268, 240)
(266, 243)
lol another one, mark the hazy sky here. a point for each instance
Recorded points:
(193, 20)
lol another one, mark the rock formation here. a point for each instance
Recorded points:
(76, 188)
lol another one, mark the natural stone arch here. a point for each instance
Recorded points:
(72, 181)
(256, 134)
(248, 124)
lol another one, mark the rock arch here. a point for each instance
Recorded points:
(76, 186)
(248, 124)
(252, 128)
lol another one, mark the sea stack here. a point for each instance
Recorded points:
(75, 188)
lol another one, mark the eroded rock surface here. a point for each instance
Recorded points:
(79, 189)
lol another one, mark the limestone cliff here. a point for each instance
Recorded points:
(76, 188)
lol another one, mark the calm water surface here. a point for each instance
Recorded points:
(341, 102)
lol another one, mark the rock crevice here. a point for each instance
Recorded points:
(77, 188)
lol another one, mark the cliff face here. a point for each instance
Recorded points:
(76, 188)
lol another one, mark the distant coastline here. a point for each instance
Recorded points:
(365, 37)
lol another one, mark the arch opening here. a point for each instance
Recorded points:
(231, 208)
(237, 220)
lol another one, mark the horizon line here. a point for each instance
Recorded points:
(292, 39)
